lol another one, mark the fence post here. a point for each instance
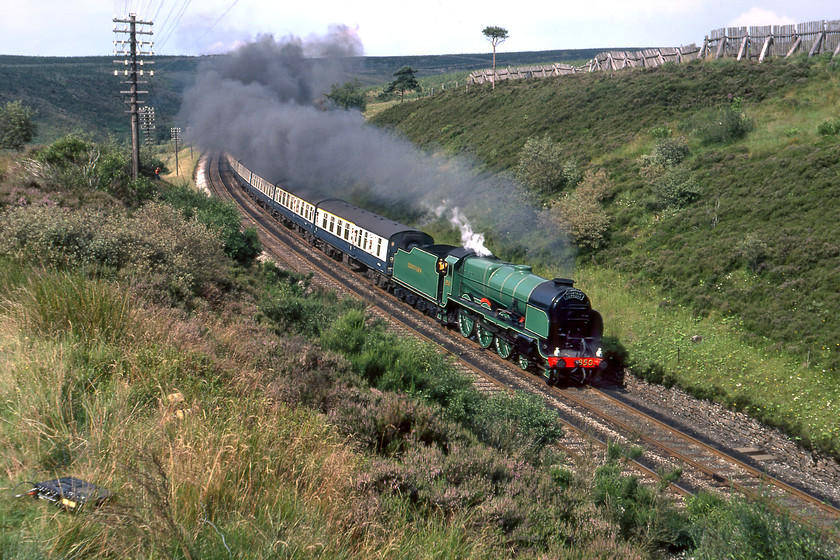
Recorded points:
(817, 48)
(796, 43)
(721, 47)
(765, 49)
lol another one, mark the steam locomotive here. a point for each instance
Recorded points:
(547, 326)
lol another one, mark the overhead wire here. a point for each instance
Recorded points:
(235, 2)
(168, 29)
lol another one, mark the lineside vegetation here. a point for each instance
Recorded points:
(236, 411)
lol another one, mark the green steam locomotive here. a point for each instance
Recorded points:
(547, 325)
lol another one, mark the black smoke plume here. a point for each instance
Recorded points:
(263, 104)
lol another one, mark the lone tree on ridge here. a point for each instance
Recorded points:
(495, 35)
(405, 81)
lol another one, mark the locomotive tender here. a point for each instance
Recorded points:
(546, 325)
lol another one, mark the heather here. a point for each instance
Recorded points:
(235, 410)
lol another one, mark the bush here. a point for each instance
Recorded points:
(829, 127)
(660, 132)
(669, 152)
(753, 251)
(640, 511)
(243, 246)
(291, 304)
(74, 163)
(580, 214)
(740, 529)
(389, 423)
(674, 188)
(516, 423)
(171, 258)
(543, 169)
(725, 127)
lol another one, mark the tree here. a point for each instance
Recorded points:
(495, 35)
(16, 126)
(348, 95)
(405, 81)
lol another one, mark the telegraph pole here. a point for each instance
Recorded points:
(175, 133)
(135, 50)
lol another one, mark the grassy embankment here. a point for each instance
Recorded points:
(749, 264)
(237, 412)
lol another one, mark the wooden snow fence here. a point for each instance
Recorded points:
(742, 43)
(813, 37)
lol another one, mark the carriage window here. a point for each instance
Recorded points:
(332, 223)
(379, 248)
(324, 224)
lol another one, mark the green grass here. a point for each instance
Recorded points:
(773, 386)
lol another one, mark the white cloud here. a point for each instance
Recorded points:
(759, 16)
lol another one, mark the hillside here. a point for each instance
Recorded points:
(777, 185)
(81, 94)
(753, 247)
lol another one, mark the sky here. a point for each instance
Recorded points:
(388, 27)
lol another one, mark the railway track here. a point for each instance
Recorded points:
(594, 416)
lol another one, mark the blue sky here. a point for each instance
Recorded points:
(393, 27)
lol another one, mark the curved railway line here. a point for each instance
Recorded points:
(594, 416)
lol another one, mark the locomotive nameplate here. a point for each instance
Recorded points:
(575, 294)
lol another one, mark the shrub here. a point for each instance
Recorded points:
(174, 259)
(639, 511)
(74, 163)
(516, 423)
(291, 304)
(675, 188)
(580, 214)
(668, 152)
(753, 250)
(243, 246)
(660, 132)
(389, 423)
(740, 529)
(829, 127)
(728, 125)
(543, 169)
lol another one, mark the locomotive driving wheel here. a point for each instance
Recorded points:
(523, 362)
(484, 336)
(503, 348)
(466, 324)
